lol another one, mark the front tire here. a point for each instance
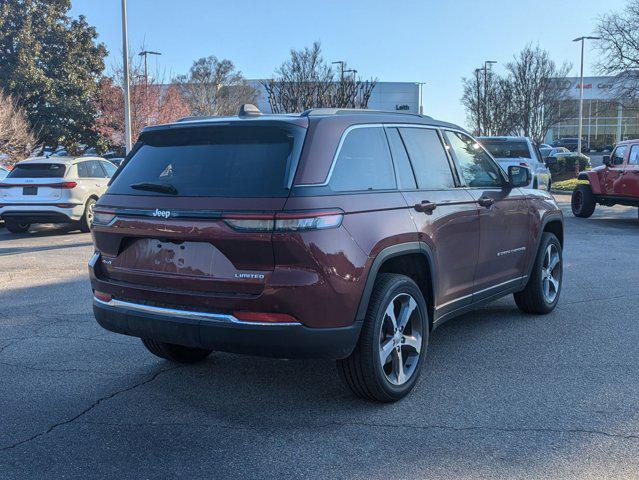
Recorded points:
(16, 227)
(582, 201)
(175, 353)
(87, 217)
(544, 285)
(389, 355)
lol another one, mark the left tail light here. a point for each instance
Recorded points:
(285, 222)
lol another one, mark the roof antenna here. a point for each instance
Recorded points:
(249, 110)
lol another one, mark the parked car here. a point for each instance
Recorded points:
(519, 151)
(53, 190)
(572, 144)
(616, 182)
(553, 152)
(341, 234)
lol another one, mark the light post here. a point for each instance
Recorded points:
(581, 88)
(487, 65)
(145, 54)
(342, 64)
(420, 85)
(127, 100)
(477, 70)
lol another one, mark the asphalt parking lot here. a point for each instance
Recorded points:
(504, 395)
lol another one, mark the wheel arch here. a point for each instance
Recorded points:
(413, 259)
(593, 179)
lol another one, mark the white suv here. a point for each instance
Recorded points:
(53, 190)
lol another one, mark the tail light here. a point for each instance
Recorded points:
(103, 217)
(285, 222)
(104, 297)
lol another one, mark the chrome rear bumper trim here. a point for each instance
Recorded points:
(170, 312)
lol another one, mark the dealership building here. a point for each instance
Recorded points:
(605, 120)
(400, 96)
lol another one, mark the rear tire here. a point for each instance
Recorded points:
(389, 355)
(544, 285)
(175, 353)
(582, 201)
(16, 227)
(87, 217)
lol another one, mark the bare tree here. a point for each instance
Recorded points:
(306, 81)
(16, 136)
(539, 92)
(497, 102)
(215, 88)
(619, 51)
(152, 102)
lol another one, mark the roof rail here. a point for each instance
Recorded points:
(196, 117)
(349, 111)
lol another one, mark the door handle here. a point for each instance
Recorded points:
(486, 202)
(425, 206)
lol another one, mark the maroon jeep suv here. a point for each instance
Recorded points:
(340, 234)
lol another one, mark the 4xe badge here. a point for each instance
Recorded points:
(162, 213)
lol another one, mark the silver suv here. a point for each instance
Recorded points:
(53, 190)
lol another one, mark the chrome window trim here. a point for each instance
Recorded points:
(188, 314)
(343, 139)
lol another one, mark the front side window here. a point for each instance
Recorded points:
(477, 168)
(618, 154)
(363, 162)
(634, 155)
(428, 157)
(109, 168)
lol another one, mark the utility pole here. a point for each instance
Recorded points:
(145, 54)
(487, 65)
(581, 88)
(127, 100)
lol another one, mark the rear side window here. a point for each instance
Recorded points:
(507, 148)
(364, 162)
(429, 158)
(38, 170)
(634, 155)
(90, 169)
(213, 161)
(402, 163)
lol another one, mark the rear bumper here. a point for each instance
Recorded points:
(41, 213)
(225, 333)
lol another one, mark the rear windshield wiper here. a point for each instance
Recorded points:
(155, 187)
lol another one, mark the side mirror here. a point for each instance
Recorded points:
(551, 160)
(606, 160)
(518, 176)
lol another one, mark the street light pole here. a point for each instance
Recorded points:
(487, 64)
(145, 54)
(421, 97)
(581, 88)
(477, 70)
(127, 100)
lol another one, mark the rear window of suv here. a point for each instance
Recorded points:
(213, 161)
(507, 149)
(38, 170)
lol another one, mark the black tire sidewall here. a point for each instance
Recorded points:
(84, 221)
(400, 284)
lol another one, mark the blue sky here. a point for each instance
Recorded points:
(437, 42)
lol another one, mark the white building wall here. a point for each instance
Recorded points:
(395, 96)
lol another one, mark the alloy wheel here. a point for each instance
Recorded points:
(400, 339)
(551, 273)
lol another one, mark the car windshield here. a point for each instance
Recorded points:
(213, 161)
(507, 148)
(37, 170)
